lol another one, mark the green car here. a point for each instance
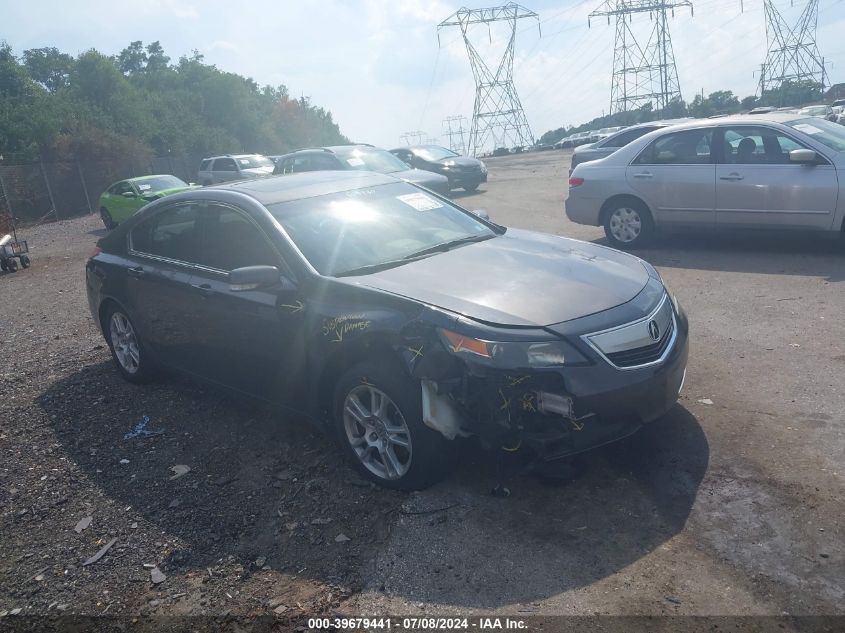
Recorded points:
(125, 197)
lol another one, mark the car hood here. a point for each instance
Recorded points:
(520, 278)
(462, 162)
(258, 171)
(421, 177)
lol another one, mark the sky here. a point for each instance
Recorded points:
(380, 68)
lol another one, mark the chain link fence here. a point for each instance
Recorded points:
(48, 191)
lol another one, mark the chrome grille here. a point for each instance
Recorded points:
(633, 345)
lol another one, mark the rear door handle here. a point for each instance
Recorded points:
(731, 177)
(204, 289)
(136, 272)
(644, 174)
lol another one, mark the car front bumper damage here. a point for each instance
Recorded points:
(554, 412)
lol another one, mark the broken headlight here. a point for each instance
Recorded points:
(510, 354)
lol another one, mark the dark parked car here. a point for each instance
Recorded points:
(358, 158)
(462, 171)
(392, 317)
(607, 146)
(501, 151)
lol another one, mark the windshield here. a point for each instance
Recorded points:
(159, 183)
(346, 231)
(433, 152)
(367, 159)
(814, 111)
(823, 131)
(254, 162)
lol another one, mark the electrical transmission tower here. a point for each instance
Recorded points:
(412, 138)
(453, 129)
(642, 74)
(792, 54)
(497, 115)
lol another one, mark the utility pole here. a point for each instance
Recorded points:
(497, 115)
(453, 129)
(642, 74)
(792, 54)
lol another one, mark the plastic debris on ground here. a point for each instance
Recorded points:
(140, 430)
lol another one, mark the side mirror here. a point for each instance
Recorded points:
(253, 278)
(806, 156)
(128, 194)
(481, 213)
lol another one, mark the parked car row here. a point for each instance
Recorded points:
(430, 166)
(776, 170)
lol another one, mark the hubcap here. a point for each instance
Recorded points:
(377, 432)
(625, 224)
(124, 343)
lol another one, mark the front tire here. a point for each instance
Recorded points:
(108, 221)
(628, 225)
(471, 188)
(127, 350)
(378, 421)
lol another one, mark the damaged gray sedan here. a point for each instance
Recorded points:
(392, 317)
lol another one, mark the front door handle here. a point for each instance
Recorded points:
(644, 174)
(731, 177)
(204, 289)
(136, 272)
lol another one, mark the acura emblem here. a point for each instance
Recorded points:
(654, 330)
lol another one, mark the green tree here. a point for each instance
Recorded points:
(49, 67)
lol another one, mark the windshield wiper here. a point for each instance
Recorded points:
(447, 246)
(437, 248)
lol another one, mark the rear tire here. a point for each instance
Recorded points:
(25, 262)
(628, 224)
(378, 421)
(108, 221)
(128, 351)
(471, 188)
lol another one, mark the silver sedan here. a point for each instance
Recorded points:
(767, 171)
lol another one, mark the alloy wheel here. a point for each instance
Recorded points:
(125, 343)
(377, 432)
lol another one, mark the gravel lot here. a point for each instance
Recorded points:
(732, 504)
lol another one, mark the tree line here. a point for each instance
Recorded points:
(790, 93)
(138, 104)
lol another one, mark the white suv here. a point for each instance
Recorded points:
(234, 167)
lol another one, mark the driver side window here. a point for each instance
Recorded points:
(173, 234)
(688, 147)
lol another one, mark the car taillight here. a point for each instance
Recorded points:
(576, 182)
(97, 250)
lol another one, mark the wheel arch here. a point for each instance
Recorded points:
(103, 310)
(375, 349)
(611, 202)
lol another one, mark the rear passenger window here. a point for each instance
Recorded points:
(233, 241)
(621, 140)
(225, 164)
(689, 147)
(174, 234)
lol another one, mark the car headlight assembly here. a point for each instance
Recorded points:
(510, 354)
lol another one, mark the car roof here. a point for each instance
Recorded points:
(275, 189)
(232, 156)
(745, 119)
(140, 178)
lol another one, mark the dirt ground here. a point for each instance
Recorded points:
(731, 504)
